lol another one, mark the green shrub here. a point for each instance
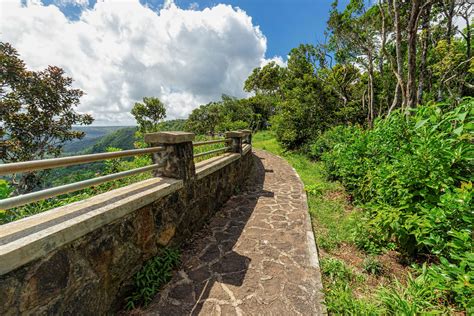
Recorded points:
(372, 266)
(326, 141)
(336, 270)
(413, 177)
(152, 276)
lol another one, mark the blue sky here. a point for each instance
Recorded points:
(119, 51)
(285, 23)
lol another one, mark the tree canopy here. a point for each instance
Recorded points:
(37, 112)
(149, 114)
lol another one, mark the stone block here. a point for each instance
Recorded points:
(169, 137)
(234, 134)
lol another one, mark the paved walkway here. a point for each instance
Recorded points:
(256, 257)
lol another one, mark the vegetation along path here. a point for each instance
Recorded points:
(256, 256)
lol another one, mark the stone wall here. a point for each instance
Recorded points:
(92, 274)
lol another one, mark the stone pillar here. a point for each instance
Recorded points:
(177, 156)
(236, 138)
(247, 136)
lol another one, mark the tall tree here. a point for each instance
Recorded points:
(149, 114)
(412, 30)
(205, 119)
(265, 80)
(426, 18)
(353, 38)
(37, 112)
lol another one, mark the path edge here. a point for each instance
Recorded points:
(311, 241)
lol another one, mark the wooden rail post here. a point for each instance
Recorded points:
(178, 154)
(236, 138)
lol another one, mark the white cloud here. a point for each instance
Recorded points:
(119, 52)
(277, 59)
(193, 6)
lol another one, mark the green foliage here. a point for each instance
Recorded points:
(430, 291)
(207, 147)
(37, 112)
(339, 280)
(83, 173)
(148, 114)
(418, 296)
(92, 134)
(171, 125)
(372, 266)
(152, 276)
(329, 139)
(5, 189)
(336, 270)
(413, 176)
(265, 80)
(204, 120)
(218, 117)
(310, 98)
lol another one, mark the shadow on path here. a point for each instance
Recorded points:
(208, 258)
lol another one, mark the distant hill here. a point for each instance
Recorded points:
(122, 138)
(99, 138)
(92, 135)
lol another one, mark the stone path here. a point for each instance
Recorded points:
(256, 257)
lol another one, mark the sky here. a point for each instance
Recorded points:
(184, 52)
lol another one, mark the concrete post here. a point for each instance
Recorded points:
(236, 138)
(247, 136)
(177, 156)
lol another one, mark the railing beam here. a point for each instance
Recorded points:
(209, 142)
(24, 199)
(212, 151)
(34, 165)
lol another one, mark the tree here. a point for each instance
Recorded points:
(36, 114)
(204, 119)
(266, 80)
(353, 37)
(149, 114)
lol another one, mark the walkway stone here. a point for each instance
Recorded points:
(256, 256)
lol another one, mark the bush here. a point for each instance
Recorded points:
(153, 275)
(413, 177)
(372, 266)
(329, 139)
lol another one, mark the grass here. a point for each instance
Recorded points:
(355, 282)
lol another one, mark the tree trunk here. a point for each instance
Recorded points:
(412, 37)
(424, 54)
(381, 55)
(396, 99)
(448, 9)
(371, 89)
(398, 50)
